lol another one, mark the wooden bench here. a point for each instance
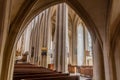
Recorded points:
(32, 72)
(38, 76)
(56, 78)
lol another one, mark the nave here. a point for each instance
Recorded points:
(31, 34)
(26, 71)
(57, 39)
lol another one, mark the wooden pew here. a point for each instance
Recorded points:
(56, 78)
(38, 75)
(32, 72)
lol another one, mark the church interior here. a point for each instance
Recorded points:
(59, 40)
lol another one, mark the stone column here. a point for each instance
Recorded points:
(27, 41)
(36, 39)
(37, 42)
(60, 45)
(39, 39)
(42, 39)
(49, 36)
(116, 57)
(85, 32)
(74, 44)
(109, 61)
(73, 41)
(5, 8)
(30, 42)
(12, 62)
(32, 48)
(70, 50)
(45, 37)
(98, 67)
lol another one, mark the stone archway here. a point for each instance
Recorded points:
(22, 20)
(115, 49)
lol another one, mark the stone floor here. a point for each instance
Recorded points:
(81, 78)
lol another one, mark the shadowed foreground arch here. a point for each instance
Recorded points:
(114, 49)
(26, 14)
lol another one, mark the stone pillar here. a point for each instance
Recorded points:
(32, 43)
(84, 36)
(98, 67)
(42, 30)
(5, 7)
(36, 39)
(70, 50)
(60, 45)
(86, 44)
(46, 32)
(109, 61)
(117, 58)
(74, 44)
(27, 41)
(41, 39)
(49, 36)
(37, 42)
(12, 62)
(30, 47)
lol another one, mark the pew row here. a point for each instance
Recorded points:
(57, 78)
(32, 72)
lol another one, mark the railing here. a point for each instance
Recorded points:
(83, 70)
